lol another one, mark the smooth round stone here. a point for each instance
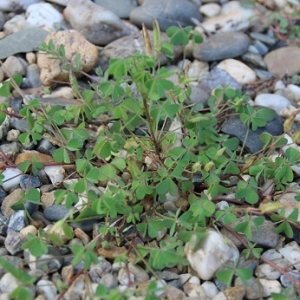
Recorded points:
(221, 46)
(263, 74)
(13, 66)
(283, 61)
(210, 9)
(210, 289)
(57, 212)
(295, 91)
(121, 8)
(11, 179)
(46, 288)
(99, 25)
(167, 12)
(43, 15)
(238, 70)
(28, 182)
(273, 101)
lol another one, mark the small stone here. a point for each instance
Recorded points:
(291, 253)
(99, 25)
(28, 229)
(139, 273)
(167, 13)
(273, 101)
(255, 59)
(269, 287)
(121, 8)
(55, 173)
(11, 199)
(46, 288)
(13, 66)
(286, 282)
(79, 233)
(29, 182)
(210, 289)
(8, 283)
(238, 70)
(13, 135)
(173, 293)
(19, 124)
(45, 147)
(222, 45)
(3, 195)
(125, 277)
(271, 254)
(4, 126)
(13, 242)
(220, 296)
(61, 92)
(252, 287)
(57, 212)
(270, 41)
(43, 15)
(31, 58)
(33, 75)
(50, 69)
(289, 202)
(283, 61)
(266, 271)
(17, 221)
(295, 90)
(97, 271)
(212, 253)
(33, 155)
(210, 9)
(109, 280)
(194, 290)
(12, 178)
(76, 289)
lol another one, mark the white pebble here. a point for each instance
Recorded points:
(55, 173)
(13, 135)
(274, 101)
(295, 90)
(291, 252)
(270, 286)
(194, 280)
(12, 178)
(210, 9)
(210, 289)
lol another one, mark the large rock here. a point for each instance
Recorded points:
(213, 252)
(167, 12)
(74, 43)
(283, 61)
(99, 25)
(222, 45)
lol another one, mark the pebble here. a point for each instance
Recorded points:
(17, 221)
(12, 178)
(33, 155)
(43, 15)
(213, 252)
(97, 271)
(291, 253)
(286, 282)
(99, 25)
(22, 41)
(28, 182)
(121, 8)
(210, 289)
(28, 229)
(3, 195)
(12, 135)
(57, 212)
(235, 127)
(47, 289)
(13, 242)
(167, 12)
(33, 75)
(269, 287)
(273, 101)
(283, 61)
(268, 272)
(8, 283)
(109, 280)
(13, 66)
(50, 69)
(238, 70)
(76, 289)
(252, 287)
(288, 199)
(221, 46)
(55, 173)
(210, 9)
(125, 277)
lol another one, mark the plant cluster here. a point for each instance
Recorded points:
(137, 135)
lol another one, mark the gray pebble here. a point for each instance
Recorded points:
(109, 280)
(11, 148)
(254, 59)
(56, 212)
(3, 194)
(99, 270)
(221, 46)
(263, 38)
(263, 74)
(20, 124)
(13, 242)
(45, 147)
(17, 221)
(16, 104)
(286, 282)
(29, 182)
(261, 47)
(33, 75)
(47, 289)
(121, 8)
(2, 20)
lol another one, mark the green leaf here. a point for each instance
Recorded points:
(33, 195)
(36, 245)
(167, 186)
(107, 172)
(74, 144)
(244, 227)
(80, 186)
(232, 168)
(61, 155)
(285, 228)
(225, 276)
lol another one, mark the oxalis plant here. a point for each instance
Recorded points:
(136, 142)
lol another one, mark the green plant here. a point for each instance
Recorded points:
(128, 124)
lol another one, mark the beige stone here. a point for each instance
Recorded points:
(74, 43)
(48, 199)
(283, 61)
(29, 229)
(79, 233)
(29, 156)
(238, 70)
(31, 58)
(12, 66)
(10, 200)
